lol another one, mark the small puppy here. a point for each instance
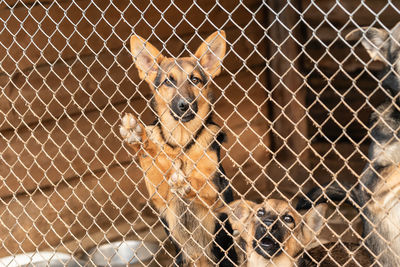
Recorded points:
(272, 233)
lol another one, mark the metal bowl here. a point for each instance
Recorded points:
(122, 253)
(39, 259)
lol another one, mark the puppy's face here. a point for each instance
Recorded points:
(272, 224)
(273, 230)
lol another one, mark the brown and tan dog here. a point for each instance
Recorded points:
(180, 153)
(274, 234)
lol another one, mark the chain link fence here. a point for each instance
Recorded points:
(294, 98)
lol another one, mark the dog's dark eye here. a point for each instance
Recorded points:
(195, 80)
(169, 81)
(261, 212)
(288, 219)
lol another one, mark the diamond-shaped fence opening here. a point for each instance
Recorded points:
(222, 133)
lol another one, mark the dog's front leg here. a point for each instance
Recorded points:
(177, 181)
(194, 186)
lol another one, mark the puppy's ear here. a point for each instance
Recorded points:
(238, 213)
(374, 40)
(313, 221)
(147, 58)
(211, 53)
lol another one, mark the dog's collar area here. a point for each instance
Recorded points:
(268, 249)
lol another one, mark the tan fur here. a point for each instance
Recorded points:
(175, 132)
(156, 161)
(388, 191)
(162, 147)
(242, 215)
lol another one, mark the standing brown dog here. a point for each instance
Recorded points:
(180, 153)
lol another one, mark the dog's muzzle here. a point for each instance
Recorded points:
(183, 109)
(267, 242)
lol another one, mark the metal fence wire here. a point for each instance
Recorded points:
(89, 179)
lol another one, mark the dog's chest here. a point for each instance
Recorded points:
(387, 224)
(259, 261)
(387, 191)
(196, 155)
(385, 205)
(198, 159)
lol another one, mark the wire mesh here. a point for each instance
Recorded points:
(294, 99)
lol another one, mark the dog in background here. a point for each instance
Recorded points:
(376, 195)
(274, 234)
(180, 152)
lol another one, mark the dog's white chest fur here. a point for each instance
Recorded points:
(389, 218)
(387, 154)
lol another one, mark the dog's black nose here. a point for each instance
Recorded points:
(183, 109)
(183, 105)
(268, 222)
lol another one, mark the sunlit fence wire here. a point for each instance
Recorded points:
(294, 98)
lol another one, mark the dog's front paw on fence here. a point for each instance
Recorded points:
(177, 181)
(131, 130)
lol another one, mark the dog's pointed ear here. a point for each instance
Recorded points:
(374, 40)
(147, 58)
(211, 53)
(313, 222)
(395, 32)
(238, 213)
